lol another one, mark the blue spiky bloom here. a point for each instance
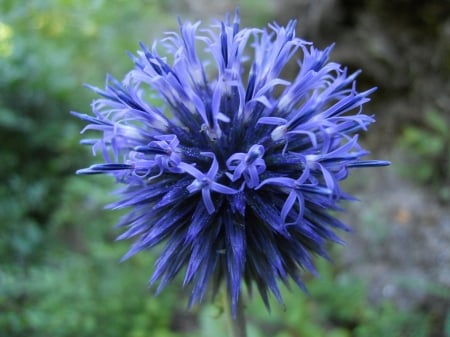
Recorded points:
(230, 160)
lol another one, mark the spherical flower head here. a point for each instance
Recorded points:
(230, 162)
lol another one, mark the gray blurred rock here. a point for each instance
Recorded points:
(401, 239)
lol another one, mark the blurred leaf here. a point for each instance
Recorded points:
(428, 150)
(437, 122)
(12, 120)
(447, 325)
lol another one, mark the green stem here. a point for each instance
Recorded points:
(236, 325)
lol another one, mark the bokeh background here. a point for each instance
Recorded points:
(59, 269)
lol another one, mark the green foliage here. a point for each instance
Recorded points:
(59, 274)
(336, 306)
(48, 48)
(389, 321)
(447, 325)
(83, 296)
(429, 148)
(80, 289)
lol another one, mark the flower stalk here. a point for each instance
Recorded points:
(236, 321)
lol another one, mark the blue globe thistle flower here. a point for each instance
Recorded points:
(228, 163)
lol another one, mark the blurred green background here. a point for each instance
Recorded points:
(59, 269)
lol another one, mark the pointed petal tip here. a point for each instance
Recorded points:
(86, 171)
